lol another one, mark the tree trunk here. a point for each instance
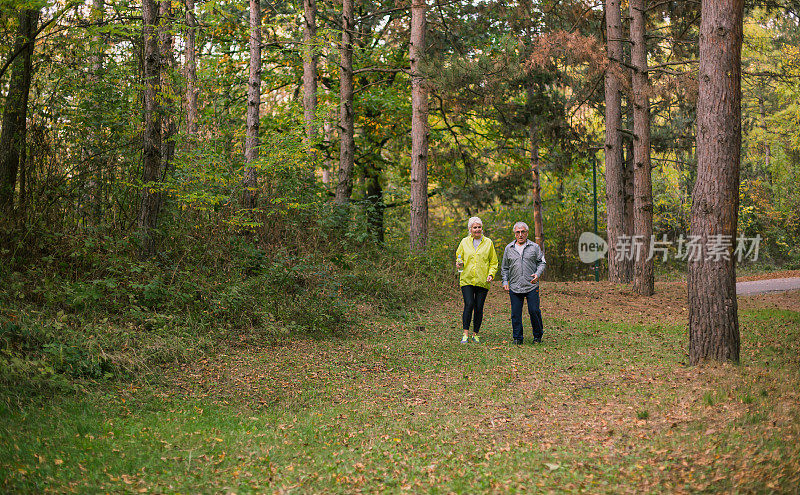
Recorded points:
(626, 270)
(643, 283)
(310, 73)
(419, 130)
(328, 162)
(615, 174)
(372, 178)
(192, 92)
(12, 139)
(253, 106)
(765, 130)
(169, 128)
(151, 197)
(533, 134)
(713, 319)
(97, 159)
(344, 187)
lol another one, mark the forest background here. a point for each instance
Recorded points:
(254, 239)
(228, 231)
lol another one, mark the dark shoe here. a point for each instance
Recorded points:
(518, 341)
(537, 340)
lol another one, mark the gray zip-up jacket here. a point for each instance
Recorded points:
(517, 269)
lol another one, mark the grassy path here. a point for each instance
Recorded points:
(605, 404)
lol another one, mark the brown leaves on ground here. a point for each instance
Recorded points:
(656, 423)
(604, 301)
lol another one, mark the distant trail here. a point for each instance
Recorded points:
(766, 286)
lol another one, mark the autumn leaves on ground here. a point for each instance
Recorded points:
(607, 403)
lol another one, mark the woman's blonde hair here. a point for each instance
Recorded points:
(473, 220)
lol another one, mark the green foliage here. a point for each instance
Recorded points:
(779, 228)
(35, 355)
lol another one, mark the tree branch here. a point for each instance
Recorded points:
(380, 69)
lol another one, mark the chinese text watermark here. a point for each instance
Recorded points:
(718, 247)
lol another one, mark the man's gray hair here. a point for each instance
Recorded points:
(473, 220)
(519, 224)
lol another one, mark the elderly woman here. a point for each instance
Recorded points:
(477, 261)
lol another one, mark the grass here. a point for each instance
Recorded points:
(600, 406)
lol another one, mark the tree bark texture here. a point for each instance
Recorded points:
(151, 197)
(190, 54)
(344, 186)
(253, 106)
(533, 134)
(615, 176)
(713, 318)
(419, 130)
(643, 282)
(310, 71)
(12, 139)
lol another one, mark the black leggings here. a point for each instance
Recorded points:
(474, 297)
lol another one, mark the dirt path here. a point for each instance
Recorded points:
(767, 286)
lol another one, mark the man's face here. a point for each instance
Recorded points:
(521, 234)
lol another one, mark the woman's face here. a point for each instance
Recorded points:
(476, 230)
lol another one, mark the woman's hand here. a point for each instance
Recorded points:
(489, 278)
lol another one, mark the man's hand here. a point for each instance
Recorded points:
(505, 286)
(534, 278)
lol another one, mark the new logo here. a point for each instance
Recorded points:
(591, 247)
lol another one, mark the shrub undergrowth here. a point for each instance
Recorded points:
(84, 306)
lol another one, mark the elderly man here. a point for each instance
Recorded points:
(522, 266)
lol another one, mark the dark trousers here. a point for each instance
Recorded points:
(533, 309)
(474, 297)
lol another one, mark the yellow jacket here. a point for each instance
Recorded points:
(478, 263)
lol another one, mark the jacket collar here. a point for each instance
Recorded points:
(527, 243)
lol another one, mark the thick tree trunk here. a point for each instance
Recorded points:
(615, 175)
(169, 128)
(713, 318)
(533, 135)
(253, 106)
(310, 73)
(344, 186)
(192, 92)
(419, 130)
(151, 197)
(12, 139)
(643, 282)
